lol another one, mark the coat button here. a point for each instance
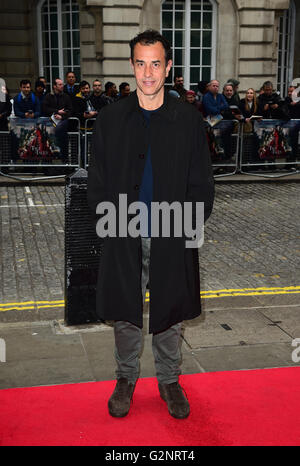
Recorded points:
(141, 156)
(136, 187)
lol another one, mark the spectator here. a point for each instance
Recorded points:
(70, 87)
(26, 104)
(232, 112)
(179, 87)
(191, 99)
(293, 107)
(270, 104)
(293, 124)
(111, 93)
(235, 84)
(213, 103)
(202, 89)
(5, 106)
(124, 90)
(58, 106)
(249, 105)
(44, 80)
(96, 97)
(40, 91)
(83, 107)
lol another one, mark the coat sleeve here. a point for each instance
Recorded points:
(200, 178)
(96, 188)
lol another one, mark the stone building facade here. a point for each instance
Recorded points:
(250, 40)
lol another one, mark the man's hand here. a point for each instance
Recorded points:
(274, 106)
(29, 115)
(58, 117)
(62, 111)
(266, 107)
(90, 114)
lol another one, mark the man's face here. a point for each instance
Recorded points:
(190, 98)
(85, 90)
(58, 86)
(39, 89)
(228, 91)
(97, 87)
(71, 79)
(26, 89)
(149, 68)
(126, 91)
(268, 90)
(214, 87)
(290, 91)
(179, 81)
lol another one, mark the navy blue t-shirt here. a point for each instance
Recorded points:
(146, 189)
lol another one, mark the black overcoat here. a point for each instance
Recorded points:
(181, 172)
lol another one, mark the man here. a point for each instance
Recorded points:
(111, 94)
(213, 102)
(82, 105)
(70, 87)
(179, 87)
(235, 85)
(191, 99)
(26, 104)
(293, 106)
(124, 90)
(58, 106)
(233, 111)
(150, 147)
(96, 97)
(270, 104)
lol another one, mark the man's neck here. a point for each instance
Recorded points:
(150, 102)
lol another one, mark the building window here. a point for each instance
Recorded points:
(59, 38)
(189, 25)
(286, 43)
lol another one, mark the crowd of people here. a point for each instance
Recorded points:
(228, 107)
(66, 100)
(83, 102)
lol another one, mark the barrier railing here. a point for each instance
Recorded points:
(88, 141)
(224, 143)
(270, 146)
(36, 143)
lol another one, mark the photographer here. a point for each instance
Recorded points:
(270, 104)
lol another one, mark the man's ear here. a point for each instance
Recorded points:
(168, 67)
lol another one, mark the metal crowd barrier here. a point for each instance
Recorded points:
(88, 142)
(32, 143)
(271, 146)
(224, 145)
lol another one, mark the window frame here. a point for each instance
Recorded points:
(61, 65)
(187, 41)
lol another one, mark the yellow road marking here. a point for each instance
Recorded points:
(260, 291)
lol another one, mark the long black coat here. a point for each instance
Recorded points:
(181, 172)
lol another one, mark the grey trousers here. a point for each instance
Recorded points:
(129, 340)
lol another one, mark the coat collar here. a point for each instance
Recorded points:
(168, 109)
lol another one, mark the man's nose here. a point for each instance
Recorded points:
(147, 69)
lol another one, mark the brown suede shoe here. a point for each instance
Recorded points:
(119, 402)
(178, 405)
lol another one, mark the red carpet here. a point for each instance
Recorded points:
(256, 407)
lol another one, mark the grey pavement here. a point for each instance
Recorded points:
(251, 250)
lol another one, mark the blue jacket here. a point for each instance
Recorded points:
(213, 106)
(21, 106)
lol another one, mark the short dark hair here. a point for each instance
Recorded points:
(39, 83)
(83, 84)
(268, 84)
(70, 71)
(150, 37)
(108, 85)
(122, 86)
(25, 81)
